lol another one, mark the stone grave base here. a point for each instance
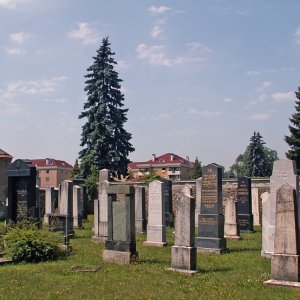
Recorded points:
(282, 283)
(246, 231)
(233, 237)
(213, 250)
(266, 254)
(99, 239)
(154, 244)
(285, 267)
(184, 258)
(185, 272)
(119, 257)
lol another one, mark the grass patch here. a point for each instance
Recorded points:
(237, 275)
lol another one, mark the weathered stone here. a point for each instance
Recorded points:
(49, 202)
(65, 201)
(119, 257)
(285, 263)
(255, 207)
(198, 200)
(284, 171)
(77, 206)
(140, 210)
(231, 228)
(156, 228)
(167, 193)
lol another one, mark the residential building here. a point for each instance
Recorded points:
(169, 165)
(5, 161)
(51, 172)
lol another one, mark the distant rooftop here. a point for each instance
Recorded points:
(50, 162)
(4, 154)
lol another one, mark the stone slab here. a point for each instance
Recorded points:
(285, 267)
(213, 250)
(211, 226)
(233, 237)
(184, 258)
(154, 244)
(120, 246)
(185, 272)
(282, 283)
(208, 242)
(119, 257)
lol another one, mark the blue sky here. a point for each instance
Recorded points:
(199, 76)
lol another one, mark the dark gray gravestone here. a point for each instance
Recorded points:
(120, 247)
(285, 263)
(211, 219)
(244, 207)
(140, 209)
(167, 193)
(22, 202)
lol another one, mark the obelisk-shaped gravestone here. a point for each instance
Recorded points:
(184, 252)
(77, 201)
(231, 227)
(285, 263)
(198, 200)
(284, 171)
(120, 247)
(101, 208)
(255, 207)
(156, 228)
(140, 209)
(244, 207)
(211, 219)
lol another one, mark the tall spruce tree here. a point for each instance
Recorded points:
(106, 143)
(197, 169)
(257, 163)
(293, 139)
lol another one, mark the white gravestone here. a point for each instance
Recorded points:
(255, 206)
(198, 200)
(231, 227)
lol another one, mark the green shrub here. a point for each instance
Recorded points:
(29, 244)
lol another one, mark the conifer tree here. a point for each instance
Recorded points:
(257, 163)
(106, 143)
(293, 139)
(197, 169)
(76, 170)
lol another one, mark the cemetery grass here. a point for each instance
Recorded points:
(237, 275)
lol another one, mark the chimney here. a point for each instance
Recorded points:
(172, 157)
(154, 156)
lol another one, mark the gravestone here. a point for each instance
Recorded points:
(184, 252)
(198, 200)
(168, 202)
(140, 209)
(231, 227)
(255, 207)
(120, 247)
(65, 200)
(49, 202)
(101, 208)
(211, 219)
(285, 263)
(156, 228)
(22, 203)
(284, 171)
(265, 200)
(77, 206)
(244, 207)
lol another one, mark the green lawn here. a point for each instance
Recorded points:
(237, 275)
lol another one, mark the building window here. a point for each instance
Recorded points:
(47, 178)
(47, 171)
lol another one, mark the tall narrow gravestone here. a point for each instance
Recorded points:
(284, 171)
(231, 227)
(49, 202)
(77, 206)
(101, 208)
(168, 202)
(211, 219)
(285, 263)
(120, 247)
(255, 207)
(140, 209)
(198, 200)
(184, 252)
(156, 228)
(244, 207)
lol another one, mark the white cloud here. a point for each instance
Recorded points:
(157, 56)
(297, 35)
(264, 85)
(123, 64)
(19, 37)
(282, 97)
(207, 113)
(158, 10)
(15, 51)
(271, 70)
(199, 47)
(57, 100)
(259, 116)
(227, 100)
(10, 4)
(84, 33)
(156, 31)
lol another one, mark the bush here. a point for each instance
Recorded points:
(29, 244)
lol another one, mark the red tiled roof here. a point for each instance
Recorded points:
(167, 158)
(50, 162)
(4, 154)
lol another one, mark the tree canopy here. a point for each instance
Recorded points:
(197, 169)
(293, 140)
(105, 142)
